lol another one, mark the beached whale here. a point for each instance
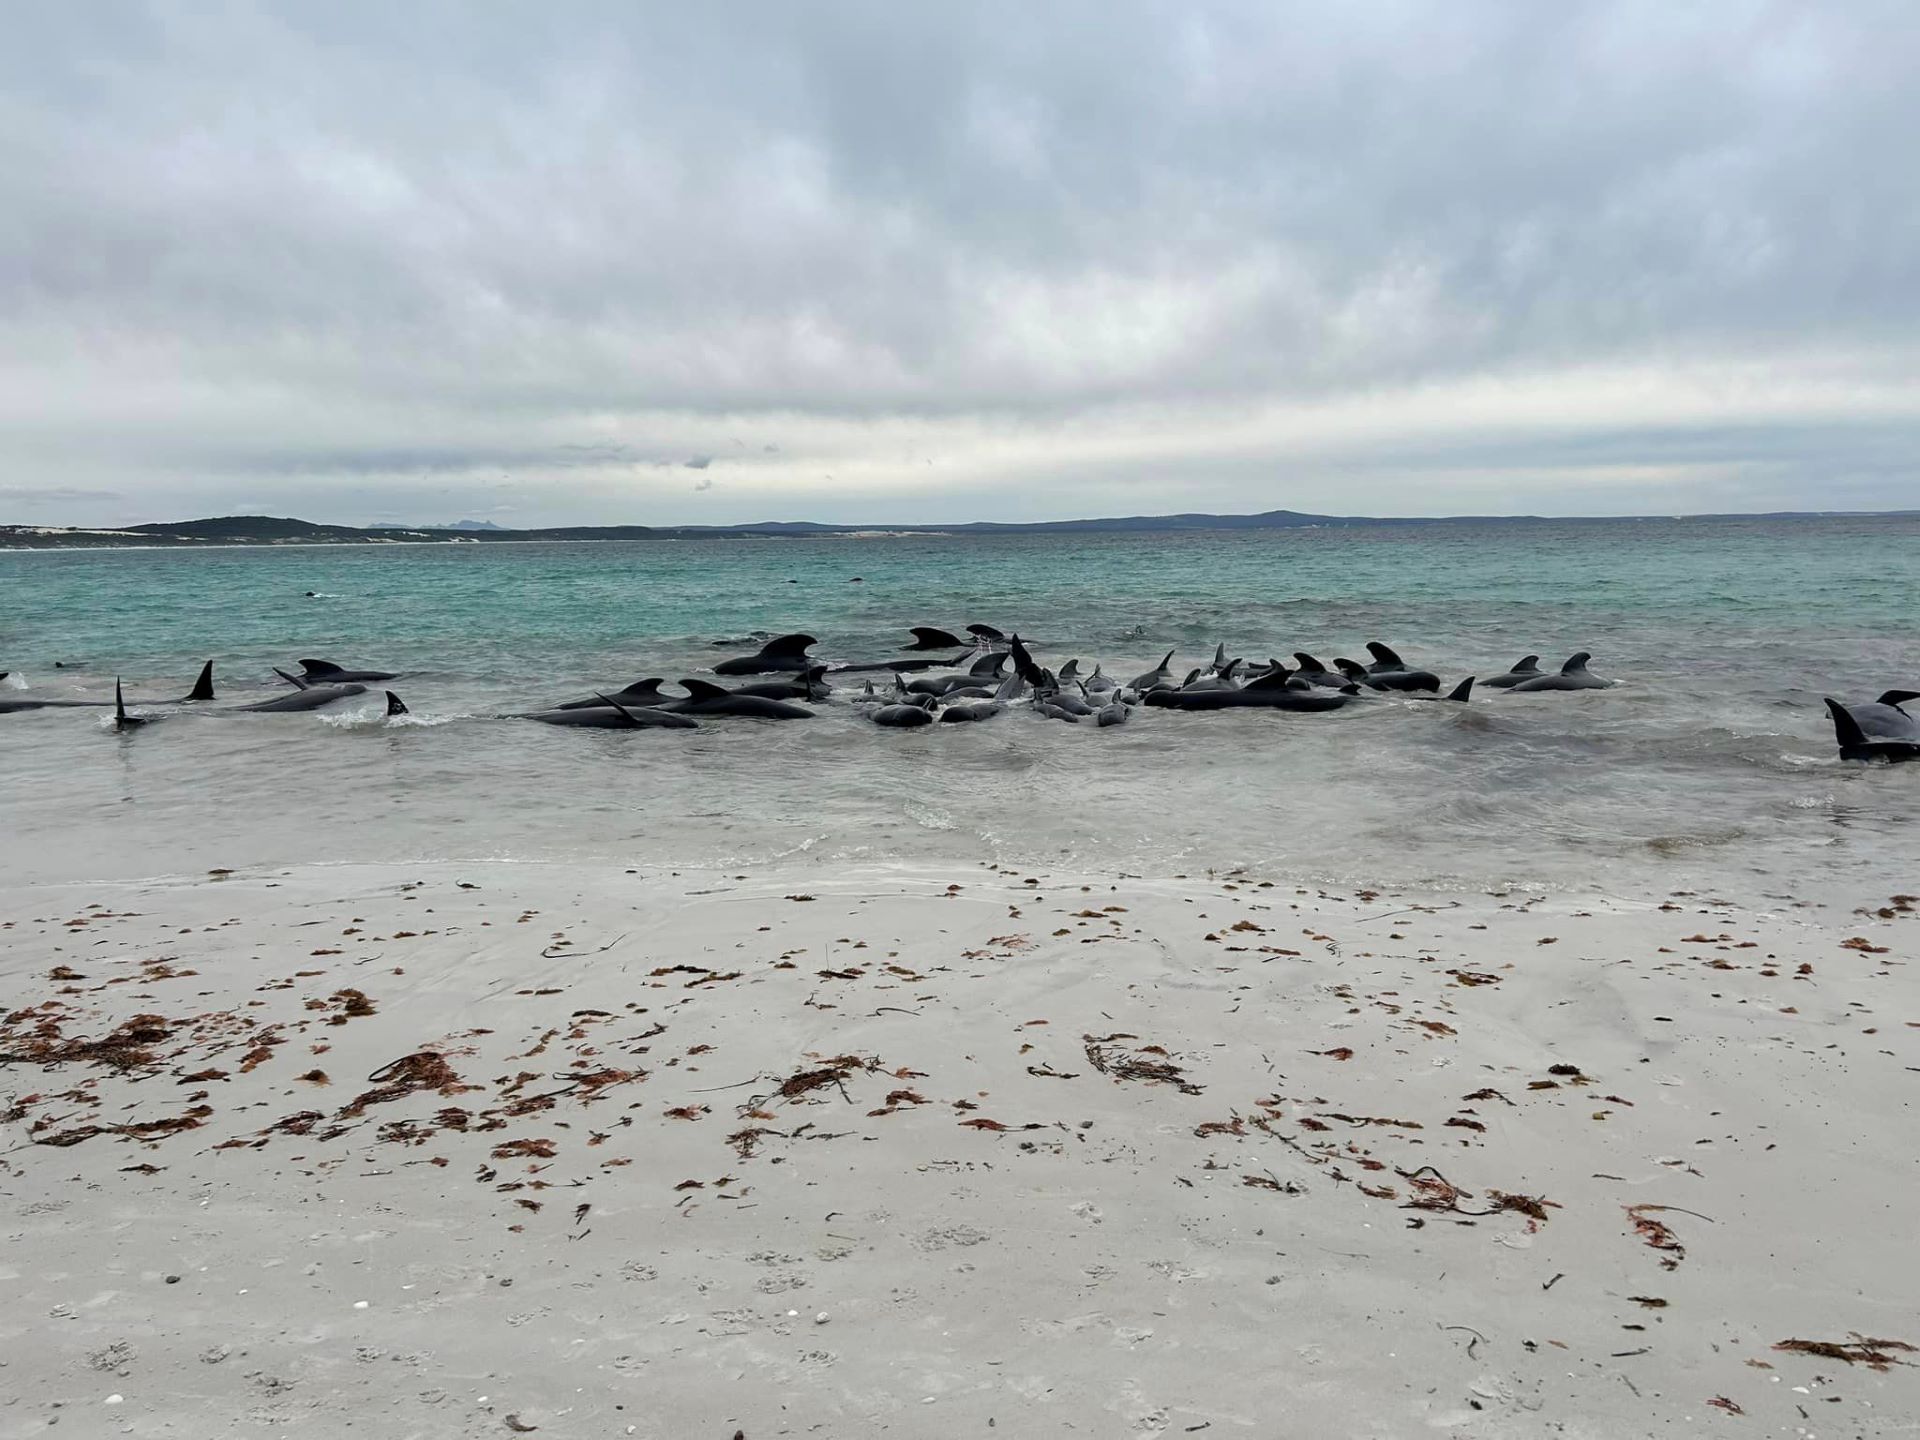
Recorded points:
(1274, 690)
(926, 637)
(1459, 692)
(640, 694)
(312, 697)
(1527, 667)
(1389, 672)
(611, 715)
(971, 710)
(901, 715)
(1856, 744)
(1883, 719)
(1159, 675)
(202, 690)
(1314, 673)
(325, 672)
(705, 698)
(1573, 675)
(781, 654)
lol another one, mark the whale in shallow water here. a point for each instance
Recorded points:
(202, 690)
(1573, 675)
(1460, 692)
(1389, 672)
(1159, 675)
(121, 719)
(901, 715)
(783, 653)
(640, 694)
(1856, 744)
(1885, 720)
(611, 715)
(1314, 673)
(927, 637)
(325, 672)
(1527, 667)
(1274, 690)
(705, 698)
(313, 697)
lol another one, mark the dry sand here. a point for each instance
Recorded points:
(489, 1149)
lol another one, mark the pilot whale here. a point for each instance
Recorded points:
(782, 654)
(1856, 744)
(1572, 676)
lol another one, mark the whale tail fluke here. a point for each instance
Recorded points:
(203, 687)
(298, 682)
(1898, 697)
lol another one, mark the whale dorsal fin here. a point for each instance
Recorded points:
(1846, 729)
(1071, 669)
(1461, 691)
(1385, 655)
(1898, 698)
(1576, 663)
(396, 706)
(119, 705)
(202, 687)
(985, 632)
(788, 645)
(989, 664)
(294, 680)
(932, 638)
(1274, 679)
(1219, 655)
(702, 690)
(1349, 668)
(1526, 665)
(1307, 662)
(615, 704)
(320, 667)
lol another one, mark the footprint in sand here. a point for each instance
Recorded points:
(942, 1237)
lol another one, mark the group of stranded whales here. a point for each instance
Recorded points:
(978, 678)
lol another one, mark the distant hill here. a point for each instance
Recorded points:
(274, 530)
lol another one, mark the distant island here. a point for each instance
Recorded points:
(272, 530)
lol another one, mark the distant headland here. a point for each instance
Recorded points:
(272, 530)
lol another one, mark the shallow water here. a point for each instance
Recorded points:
(1712, 766)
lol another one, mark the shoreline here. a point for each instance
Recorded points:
(1138, 1157)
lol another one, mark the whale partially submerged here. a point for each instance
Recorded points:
(1856, 744)
(1573, 675)
(780, 655)
(706, 698)
(1527, 667)
(202, 690)
(325, 672)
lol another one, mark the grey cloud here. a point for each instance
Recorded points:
(456, 235)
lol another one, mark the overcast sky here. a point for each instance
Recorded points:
(583, 263)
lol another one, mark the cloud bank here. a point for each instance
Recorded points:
(882, 262)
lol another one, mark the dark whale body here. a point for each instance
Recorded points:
(780, 655)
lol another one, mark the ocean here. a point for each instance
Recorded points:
(1710, 768)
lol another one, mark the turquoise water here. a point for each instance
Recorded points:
(1711, 765)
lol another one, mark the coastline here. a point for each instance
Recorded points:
(1050, 1152)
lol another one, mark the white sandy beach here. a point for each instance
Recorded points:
(939, 1154)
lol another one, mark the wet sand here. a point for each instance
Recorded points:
(453, 1150)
